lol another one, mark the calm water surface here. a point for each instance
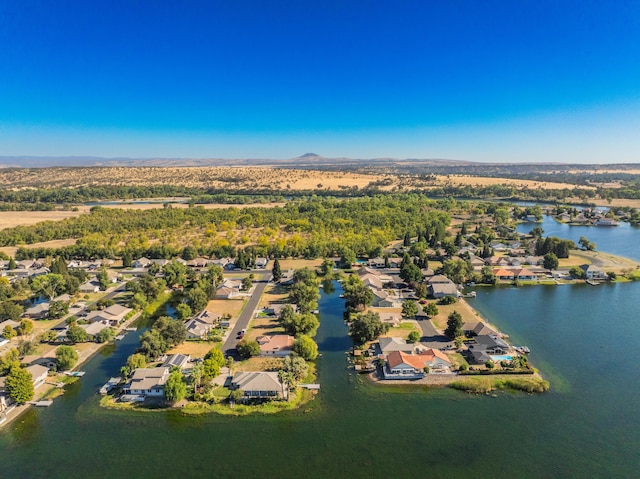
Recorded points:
(585, 340)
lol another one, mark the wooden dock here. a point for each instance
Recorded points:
(41, 403)
(310, 386)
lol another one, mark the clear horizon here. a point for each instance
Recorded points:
(481, 81)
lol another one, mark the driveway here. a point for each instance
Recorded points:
(247, 314)
(431, 338)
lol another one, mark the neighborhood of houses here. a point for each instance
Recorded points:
(510, 260)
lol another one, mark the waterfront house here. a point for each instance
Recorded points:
(39, 374)
(389, 345)
(491, 344)
(147, 382)
(477, 328)
(524, 274)
(275, 345)
(504, 274)
(593, 272)
(401, 365)
(93, 329)
(38, 311)
(111, 315)
(258, 384)
(372, 281)
(439, 290)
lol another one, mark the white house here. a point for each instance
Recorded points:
(148, 382)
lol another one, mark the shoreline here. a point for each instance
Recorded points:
(15, 411)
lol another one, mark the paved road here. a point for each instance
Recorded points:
(431, 338)
(229, 347)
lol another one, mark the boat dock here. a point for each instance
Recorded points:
(109, 385)
(41, 403)
(310, 386)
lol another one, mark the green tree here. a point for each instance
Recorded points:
(175, 273)
(431, 310)
(456, 270)
(59, 266)
(107, 334)
(327, 267)
(276, 272)
(305, 296)
(586, 244)
(103, 279)
(67, 357)
(175, 389)
(347, 258)
(487, 275)
(57, 309)
(410, 273)
(8, 332)
(172, 331)
(356, 294)
(296, 366)
(12, 264)
(550, 261)
(76, 334)
(136, 361)
(414, 337)
(26, 326)
(246, 284)
(409, 309)
(197, 298)
(305, 347)
(248, 349)
(10, 310)
(138, 301)
(152, 344)
(213, 361)
(48, 285)
(367, 327)
(183, 311)
(19, 384)
(299, 323)
(454, 325)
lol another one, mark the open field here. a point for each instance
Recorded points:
(487, 181)
(245, 178)
(461, 306)
(226, 306)
(224, 178)
(11, 250)
(196, 349)
(9, 219)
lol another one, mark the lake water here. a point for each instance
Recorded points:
(585, 340)
(623, 240)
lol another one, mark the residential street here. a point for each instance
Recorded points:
(247, 314)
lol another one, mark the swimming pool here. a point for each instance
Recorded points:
(503, 357)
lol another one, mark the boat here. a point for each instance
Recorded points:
(119, 337)
(522, 349)
(592, 283)
(130, 329)
(75, 374)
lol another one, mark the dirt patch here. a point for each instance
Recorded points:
(226, 306)
(196, 349)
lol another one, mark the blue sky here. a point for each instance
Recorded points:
(479, 81)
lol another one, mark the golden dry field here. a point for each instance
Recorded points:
(464, 180)
(9, 219)
(224, 178)
(11, 250)
(277, 180)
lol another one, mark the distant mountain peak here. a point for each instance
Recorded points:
(310, 155)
